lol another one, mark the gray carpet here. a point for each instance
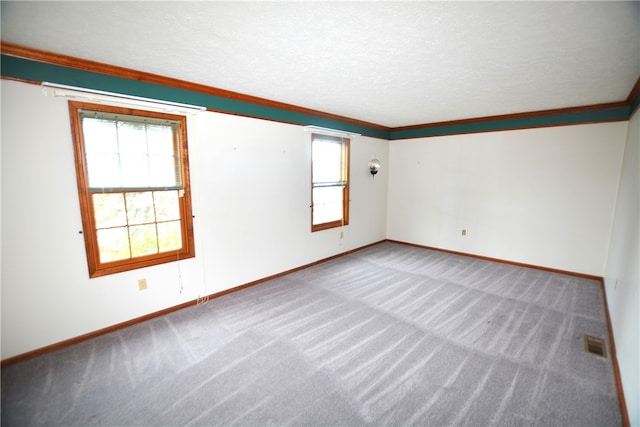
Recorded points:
(389, 335)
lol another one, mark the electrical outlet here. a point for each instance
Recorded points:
(617, 282)
(464, 232)
(142, 284)
(341, 235)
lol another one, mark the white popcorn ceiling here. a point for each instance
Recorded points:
(391, 63)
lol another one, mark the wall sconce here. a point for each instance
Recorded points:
(374, 167)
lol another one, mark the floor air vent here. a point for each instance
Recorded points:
(595, 345)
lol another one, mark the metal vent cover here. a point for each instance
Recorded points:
(595, 345)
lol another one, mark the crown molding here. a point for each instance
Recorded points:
(600, 113)
(132, 82)
(634, 98)
(45, 57)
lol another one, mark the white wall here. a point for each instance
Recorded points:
(541, 196)
(622, 278)
(538, 196)
(251, 196)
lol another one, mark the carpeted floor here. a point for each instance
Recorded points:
(389, 335)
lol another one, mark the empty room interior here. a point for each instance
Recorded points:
(320, 213)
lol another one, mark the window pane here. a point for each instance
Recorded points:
(327, 161)
(162, 172)
(103, 170)
(124, 154)
(109, 210)
(167, 205)
(132, 139)
(100, 136)
(101, 148)
(135, 171)
(327, 204)
(169, 236)
(160, 140)
(113, 244)
(144, 240)
(140, 208)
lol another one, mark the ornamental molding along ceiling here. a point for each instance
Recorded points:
(391, 70)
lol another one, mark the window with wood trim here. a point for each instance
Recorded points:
(132, 170)
(330, 182)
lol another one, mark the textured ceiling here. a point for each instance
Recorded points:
(391, 63)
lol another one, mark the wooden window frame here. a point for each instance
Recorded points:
(346, 143)
(96, 267)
